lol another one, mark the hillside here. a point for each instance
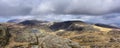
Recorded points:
(67, 34)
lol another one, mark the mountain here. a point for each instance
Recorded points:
(32, 22)
(106, 26)
(15, 21)
(66, 34)
(66, 25)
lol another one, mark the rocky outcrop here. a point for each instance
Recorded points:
(33, 38)
(51, 41)
(4, 36)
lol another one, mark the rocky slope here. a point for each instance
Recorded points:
(68, 34)
(32, 38)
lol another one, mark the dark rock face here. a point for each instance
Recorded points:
(106, 26)
(69, 25)
(4, 36)
(32, 22)
(73, 26)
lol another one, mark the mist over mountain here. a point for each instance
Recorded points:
(15, 20)
(62, 10)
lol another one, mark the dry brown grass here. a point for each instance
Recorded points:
(102, 29)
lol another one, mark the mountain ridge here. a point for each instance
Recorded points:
(71, 34)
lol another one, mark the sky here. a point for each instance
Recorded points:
(95, 11)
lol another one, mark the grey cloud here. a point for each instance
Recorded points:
(16, 7)
(13, 11)
(111, 19)
(93, 7)
(38, 7)
(102, 11)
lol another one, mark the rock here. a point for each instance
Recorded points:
(4, 36)
(44, 40)
(50, 41)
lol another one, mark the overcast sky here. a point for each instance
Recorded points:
(97, 11)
